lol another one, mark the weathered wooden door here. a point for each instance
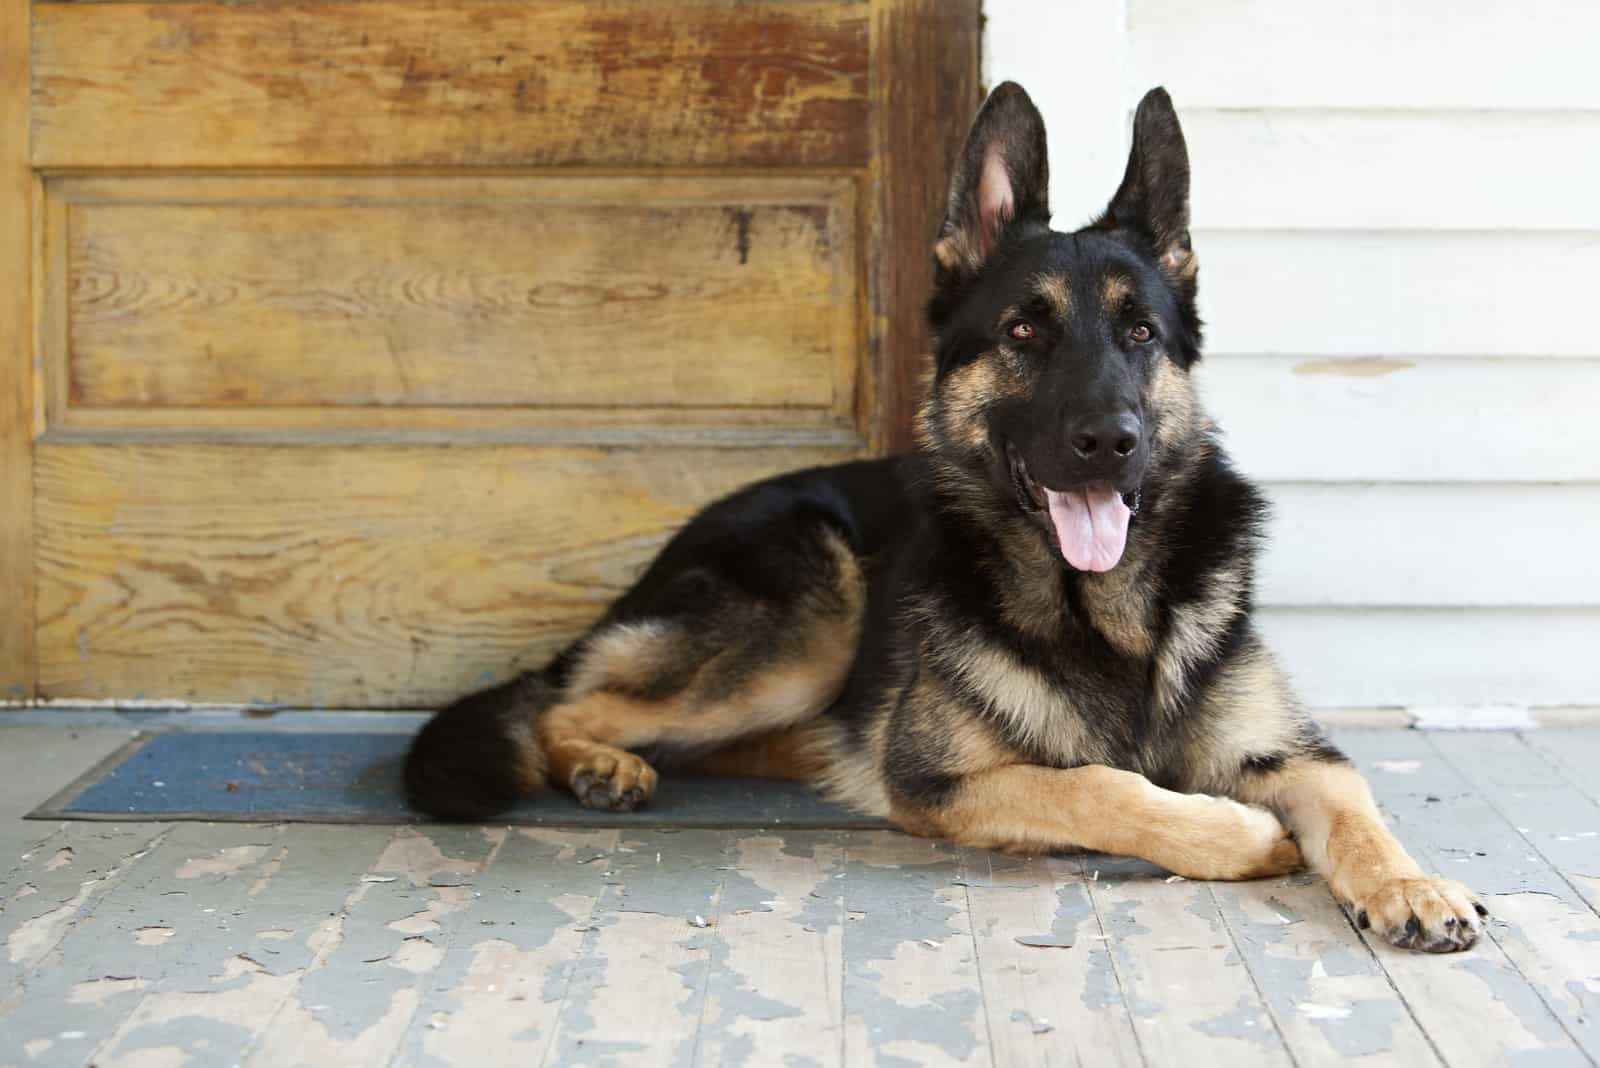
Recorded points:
(356, 353)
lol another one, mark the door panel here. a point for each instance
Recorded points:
(360, 351)
(452, 82)
(376, 577)
(538, 292)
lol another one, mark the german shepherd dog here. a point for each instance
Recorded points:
(1032, 634)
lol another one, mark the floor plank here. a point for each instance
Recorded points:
(1576, 751)
(636, 993)
(776, 980)
(1053, 1004)
(498, 985)
(1193, 1000)
(53, 758)
(141, 944)
(1329, 995)
(1478, 1007)
(356, 999)
(912, 993)
(149, 918)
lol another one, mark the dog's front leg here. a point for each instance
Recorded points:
(1330, 809)
(1028, 808)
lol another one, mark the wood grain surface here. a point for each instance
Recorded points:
(16, 359)
(381, 577)
(459, 291)
(451, 82)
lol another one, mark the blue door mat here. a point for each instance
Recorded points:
(348, 777)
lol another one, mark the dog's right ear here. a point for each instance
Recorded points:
(1001, 178)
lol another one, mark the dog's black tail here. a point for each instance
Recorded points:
(475, 758)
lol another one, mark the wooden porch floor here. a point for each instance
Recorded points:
(220, 944)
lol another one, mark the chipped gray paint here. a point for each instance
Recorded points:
(1323, 989)
(901, 890)
(455, 949)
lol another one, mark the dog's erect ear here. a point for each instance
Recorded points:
(1154, 197)
(1001, 177)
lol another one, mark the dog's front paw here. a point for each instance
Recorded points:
(1264, 848)
(1431, 914)
(1227, 840)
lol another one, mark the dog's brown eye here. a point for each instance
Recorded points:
(1022, 331)
(1141, 333)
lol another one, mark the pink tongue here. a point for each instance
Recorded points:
(1091, 525)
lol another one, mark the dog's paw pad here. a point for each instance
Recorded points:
(1431, 915)
(618, 782)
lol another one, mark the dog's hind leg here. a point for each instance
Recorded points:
(725, 714)
(745, 625)
(768, 648)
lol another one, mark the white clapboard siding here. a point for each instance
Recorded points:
(1439, 170)
(1307, 418)
(1468, 545)
(1400, 293)
(1377, 54)
(1369, 658)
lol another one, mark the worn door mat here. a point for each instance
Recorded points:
(345, 777)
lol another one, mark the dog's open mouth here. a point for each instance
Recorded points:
(1090, 522)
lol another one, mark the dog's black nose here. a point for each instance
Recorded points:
(1106, 439)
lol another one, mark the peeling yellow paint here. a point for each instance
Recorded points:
(153, 936)
(297, 1036)
(249, 1005)
(154, 1057)
(414, 855)
(96, 991)
(416, 955)
(33, 939)
(268, 870)
(450, 899)
(227, 861)
(1354, 367)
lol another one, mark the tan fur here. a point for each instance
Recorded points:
(791, 754)
(585, 736)
(1053, 288)
(966, 396)
(1121, 603)
(1194, 629)
(1331, 811)
(623, 657)
(1114, 292)
(1027, 808)
(853, 776)
(1172, 393)
(1181, 265)
(1039, 710)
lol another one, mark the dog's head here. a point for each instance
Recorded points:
(1061, 383)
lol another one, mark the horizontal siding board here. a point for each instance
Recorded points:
(1362, 658)
(1259, 169)
(230, 292)
(1302, 419)
(1366, 53)
(455, 82)
(1432, 545)
(1375, 293)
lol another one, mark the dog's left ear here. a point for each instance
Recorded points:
(1153, 200)
(1002, 178)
